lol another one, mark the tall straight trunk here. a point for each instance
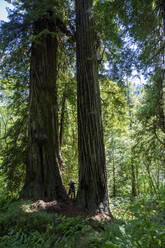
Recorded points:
(137, 180)
(92, 192)
(113, 168)
(163, 65)
(61, 132)
(114, 179)
(62, 119)
(133, 178)
(133, 175)
(151, 181)
(43, 180)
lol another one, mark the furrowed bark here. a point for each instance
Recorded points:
(92, 192)
(43, 180)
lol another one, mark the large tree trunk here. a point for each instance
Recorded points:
(43, 180)
(92, 192)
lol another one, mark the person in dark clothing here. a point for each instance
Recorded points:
(71, 191)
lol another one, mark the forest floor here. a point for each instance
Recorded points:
(67, 209)
(138, 224)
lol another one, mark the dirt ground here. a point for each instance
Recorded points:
(68, 209)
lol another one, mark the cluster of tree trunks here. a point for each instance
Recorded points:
(43, 180)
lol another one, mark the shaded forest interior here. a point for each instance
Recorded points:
(82, 93)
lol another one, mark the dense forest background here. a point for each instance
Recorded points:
(82, 98)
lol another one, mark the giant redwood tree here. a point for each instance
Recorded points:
(92, 192)
(43, 180)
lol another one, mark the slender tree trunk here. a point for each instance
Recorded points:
(92, 192)
(62, 119)
(61, 161)
(153, 187)
(144, 182)
(114, 180)
(133, 178)
(137, 180)
(113, 170)
(163, 64)
(5, 130)
(158, 177)
(43, 180)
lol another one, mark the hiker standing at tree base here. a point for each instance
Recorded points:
(71, 190)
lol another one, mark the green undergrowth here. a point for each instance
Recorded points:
(137, 224)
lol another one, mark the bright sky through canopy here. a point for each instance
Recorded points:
(137, 79)
(3, 11)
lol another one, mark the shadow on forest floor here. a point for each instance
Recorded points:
(40, 224)
(67, 209)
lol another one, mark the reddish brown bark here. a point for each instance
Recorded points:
(43, 180)
(92, 192)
